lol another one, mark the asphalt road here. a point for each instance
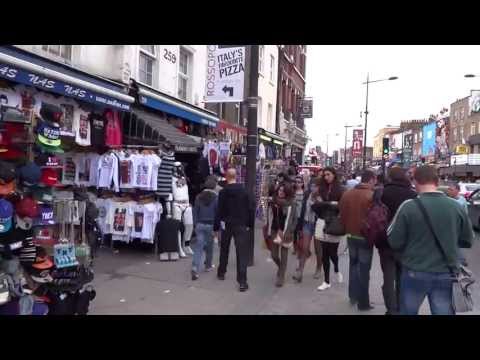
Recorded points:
(135, 282)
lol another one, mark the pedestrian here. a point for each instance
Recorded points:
(204, 211)
(352, 182)
(354, 207)
(453, 191)
(306, 223)
(331, 192)
(397, 190)
(299, 195)
(235, 216)
(427, 232)
(281, 223)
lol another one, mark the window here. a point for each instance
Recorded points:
(184, 75)
(415, 138)
(473, 129)
(146, 64)
(461, 134)
(462, 113)
(63, 51)
(269, 117)
(259, 111)
(261, 57)
(455, 134)
(272, 67)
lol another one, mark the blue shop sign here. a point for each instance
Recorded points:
(171, 109)
(28, 78)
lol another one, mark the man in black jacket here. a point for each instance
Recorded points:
(395, 192)
(235, 215)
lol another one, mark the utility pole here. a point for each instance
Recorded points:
(252, 138)
(365, 129)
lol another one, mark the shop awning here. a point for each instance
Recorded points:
(173, 106)
(166, 132)
(269, 136)
(30, 69)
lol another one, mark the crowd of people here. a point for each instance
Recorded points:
(326, 210)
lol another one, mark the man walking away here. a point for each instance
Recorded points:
(397, 190)
(235, 214)
(204, 212)
(352, 182)
(454, 192)
(425, 270)
(354, 207)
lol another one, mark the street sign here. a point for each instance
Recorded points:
(225, 74)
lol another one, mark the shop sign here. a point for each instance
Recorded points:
(474, 159)
(459, 160)
(28, 78)
(306, 108)
(225, 74)
(462, 149)
(186, 149)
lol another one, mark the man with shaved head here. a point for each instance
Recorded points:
(235, 215)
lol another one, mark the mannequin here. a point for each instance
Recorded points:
(181, 208)
(164, 190)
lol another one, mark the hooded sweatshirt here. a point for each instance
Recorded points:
(205, 207)
(234, 207)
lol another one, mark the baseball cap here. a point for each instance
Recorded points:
(45, 217)
(43, 236)
(43, 195)
(29, 174)
(8, 188)
(48, 133)
(49, 177)
(48, 149)
(48, 160)
(24, 223)
(7, 172)
(6, 213)
(51, 112)
(27, 207)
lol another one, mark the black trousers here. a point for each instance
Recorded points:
(391, 280)
(329, 252)
(240, 235)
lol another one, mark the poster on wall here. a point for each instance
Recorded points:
(357, 144)
(474, 101)
(441, 151)
(225, 74)
(429, 138)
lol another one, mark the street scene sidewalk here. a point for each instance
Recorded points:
(134, 282)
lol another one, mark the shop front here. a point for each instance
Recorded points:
(58, 129)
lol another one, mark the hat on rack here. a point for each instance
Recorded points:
(43, 195)
(51, 112)
(29, 174)
(26, 210)
(49, 177)
(43, 236)
(8, 188)
(45, 217)
(48, 133)
(7, 172)
(44, 149)
(6, 213)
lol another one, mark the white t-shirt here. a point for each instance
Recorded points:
(180, 193)
(145, 218)
(108, 171)
(125, 166)
(142, 171)
(86, 169)
(119, 217)
(102, 206)
(81, 127)
(156, 161)
(69, 168)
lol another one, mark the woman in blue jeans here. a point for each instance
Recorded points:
(203, 218)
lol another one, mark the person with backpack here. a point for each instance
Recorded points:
(397, 190)
(427, 232)
(354, 207)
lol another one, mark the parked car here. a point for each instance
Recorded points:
(474, 209)
(466, 189)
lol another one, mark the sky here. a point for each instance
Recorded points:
(429, 79)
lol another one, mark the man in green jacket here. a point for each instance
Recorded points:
(425, 270)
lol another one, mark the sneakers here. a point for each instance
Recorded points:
(209, 268)
(243, 287)
(339, 277)
(318, 274)
(164, 257)
(194, 276)
(324, 286)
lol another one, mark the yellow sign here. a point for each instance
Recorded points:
(462, 149)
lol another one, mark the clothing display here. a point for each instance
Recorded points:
(165, 174)
(81, 128)
(97, 126)
(113, 129)
(108, 171)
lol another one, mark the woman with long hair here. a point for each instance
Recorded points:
(306, 223)
(331, 192)
(281, 223)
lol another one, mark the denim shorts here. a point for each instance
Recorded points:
(308, 229)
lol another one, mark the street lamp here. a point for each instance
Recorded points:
(470, 75)
(345, 148)
(366, 114)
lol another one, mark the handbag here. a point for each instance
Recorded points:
(334, 227)
(461, 294)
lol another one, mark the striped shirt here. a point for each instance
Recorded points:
(165, 173)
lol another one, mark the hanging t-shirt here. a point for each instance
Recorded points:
(119, 217)
(68, 168)
(102, 206)
(213, 155)
(261, 151)
(81, 127)
(224, 155)
(113, 130)
(108, 171)
(10, 97)
(125, 165)
(86, 169)
(156, 162)
(142, 171)
(97, 125)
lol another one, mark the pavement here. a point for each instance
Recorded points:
(134, 282)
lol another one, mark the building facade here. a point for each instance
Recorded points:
(378, 141)
(460, 127)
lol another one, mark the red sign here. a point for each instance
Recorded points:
(357, 143)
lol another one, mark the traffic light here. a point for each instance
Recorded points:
(386, 143)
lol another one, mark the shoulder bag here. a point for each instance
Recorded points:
(461, 294)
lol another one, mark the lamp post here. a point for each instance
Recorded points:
(345, 147)
(366, 115)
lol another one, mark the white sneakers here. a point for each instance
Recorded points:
(164, 257)
(324, 286)
(339, 277)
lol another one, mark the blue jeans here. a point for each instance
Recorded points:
(361, 254)
(204, 235)
(416, 285)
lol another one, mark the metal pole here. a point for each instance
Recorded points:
(252, 133)
(345, 152)
(365, 130)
